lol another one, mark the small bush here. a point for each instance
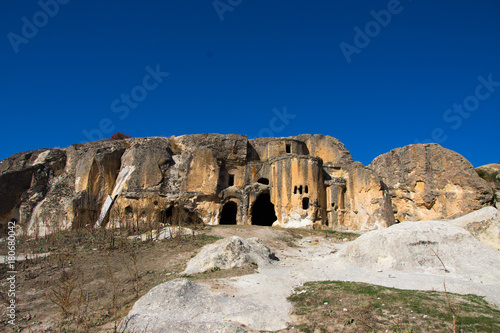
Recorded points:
(491, 177)
(119, 136)
(481, 173)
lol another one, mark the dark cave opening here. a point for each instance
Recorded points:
(263, 211)
(228, 214)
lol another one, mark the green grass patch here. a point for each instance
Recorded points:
(339, 235)
(206, 238)
(488, 176)
(334, 306)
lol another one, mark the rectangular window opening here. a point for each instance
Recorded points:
(230, 181)
(288, 148)
(305, 203)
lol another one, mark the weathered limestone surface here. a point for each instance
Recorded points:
(228, 253)
(26, 180)
(368, 204)
(202, 310)
(151, 158)
(484, 224)
(424, 247)
(302, 181)
(328, 148)
(491, 173)
(427, 181)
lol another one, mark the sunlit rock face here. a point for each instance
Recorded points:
(427, 181)
(306, 181)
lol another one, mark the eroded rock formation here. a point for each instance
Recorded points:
(491, 173)
(202, 310)
(303, 181)
(230, 252)
(427, 181)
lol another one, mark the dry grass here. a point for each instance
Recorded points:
(91, 279)
(336, 306)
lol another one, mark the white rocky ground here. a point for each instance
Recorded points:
(410, 255)
(484, 224)
(165, 233)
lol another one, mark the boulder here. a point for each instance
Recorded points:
(429, 247)
(427, 181)
(484, 224)
(230, 252)
(181, 306)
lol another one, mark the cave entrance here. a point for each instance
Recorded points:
(166, 215)
(263, 181)
(263, 211)
(229, 212)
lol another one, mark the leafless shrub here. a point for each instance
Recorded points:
(113, 283)
(62, 292)
(132, 269)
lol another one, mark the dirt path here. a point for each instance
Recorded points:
(313, 259)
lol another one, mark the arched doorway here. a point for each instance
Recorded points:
(229, 212)
(263, 211)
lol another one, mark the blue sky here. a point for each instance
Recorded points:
(377, 75)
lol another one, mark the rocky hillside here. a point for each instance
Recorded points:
(491, 173)
(303, 181)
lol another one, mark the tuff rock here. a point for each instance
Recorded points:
(230, 252)
(190, 180)
(429, 247)
(427, 181)
(182, 306)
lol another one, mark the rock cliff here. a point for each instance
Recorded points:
(303, 181)
(427, 181)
